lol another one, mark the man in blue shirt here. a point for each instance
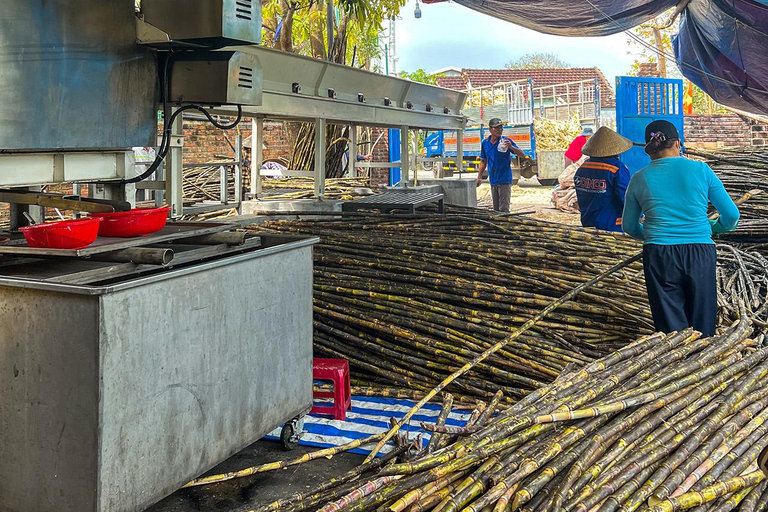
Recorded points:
(679, 256)
(602, 180)
(496, 156)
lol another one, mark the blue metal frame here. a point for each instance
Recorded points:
(641, 100)
(394, 155)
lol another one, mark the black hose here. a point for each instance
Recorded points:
(165, 142)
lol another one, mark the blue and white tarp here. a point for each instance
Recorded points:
(368, 416)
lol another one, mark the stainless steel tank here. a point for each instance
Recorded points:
(73, 78)
(112, 397)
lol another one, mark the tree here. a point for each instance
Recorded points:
(420, 76)
(652, 42)
(300, 27)
(537, 61)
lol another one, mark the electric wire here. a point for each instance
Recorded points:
(165, 142)
(669, 56)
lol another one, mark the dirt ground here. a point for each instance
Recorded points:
(247, 493)
(528, 195)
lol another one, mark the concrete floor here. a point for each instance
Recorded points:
(244, 494)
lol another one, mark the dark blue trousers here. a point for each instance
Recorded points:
(682, 288)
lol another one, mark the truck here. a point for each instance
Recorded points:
(517, 103)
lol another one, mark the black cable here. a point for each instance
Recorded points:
(672, 57)
(163, 79)
(165, 143)
(164, 149)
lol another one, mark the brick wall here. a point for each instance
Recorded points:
(380, 175)
(648, 69)
(724, 130)
(758, 132)
(203, 142)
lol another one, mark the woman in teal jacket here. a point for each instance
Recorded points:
(679, 256)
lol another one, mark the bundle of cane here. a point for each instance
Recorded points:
(669, 422)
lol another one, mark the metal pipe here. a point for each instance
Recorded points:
(138, 255)
(330, 20)
(227, 237)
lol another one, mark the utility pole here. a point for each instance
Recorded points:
(329, 27)
(660, 51)
(392, 57)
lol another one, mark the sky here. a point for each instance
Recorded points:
(448, 34)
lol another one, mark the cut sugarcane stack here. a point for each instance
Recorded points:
(742, 171)
(304, 188)
(408, 300)
(742, 276)
(669, 422)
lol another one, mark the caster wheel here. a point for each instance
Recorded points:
(286, 437)
(291, 433)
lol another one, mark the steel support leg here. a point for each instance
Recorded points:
(352, 154)
(404, 156)
(319, 158)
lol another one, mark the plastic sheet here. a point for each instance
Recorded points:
(720, 47)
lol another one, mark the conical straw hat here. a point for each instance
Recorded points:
(606, 142)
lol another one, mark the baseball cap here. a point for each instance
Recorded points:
(493, 123)
(587, 131)
(660, 130)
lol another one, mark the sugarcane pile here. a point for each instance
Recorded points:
(741, 170)
(742, 277)
(554, 135)
(744, 172)
(304, 188)
(204, 183)
(408, 299)
(669, 422)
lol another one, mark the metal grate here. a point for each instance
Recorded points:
(244, 9)
(389, 201)
(245, 78)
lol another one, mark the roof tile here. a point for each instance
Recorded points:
(541, 78)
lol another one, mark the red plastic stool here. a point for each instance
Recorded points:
(337, 371)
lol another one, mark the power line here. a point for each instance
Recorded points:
(661, 52)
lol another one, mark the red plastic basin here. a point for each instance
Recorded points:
(67, 234)
(136, 222)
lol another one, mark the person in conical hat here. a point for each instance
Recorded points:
(602, 180)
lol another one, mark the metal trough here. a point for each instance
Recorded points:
(113, 396)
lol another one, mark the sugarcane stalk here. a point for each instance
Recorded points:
(708, 494)
(498, 346)
(326, 452)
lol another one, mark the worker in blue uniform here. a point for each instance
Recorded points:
(679, 256)
(601, 181)
(496, 156)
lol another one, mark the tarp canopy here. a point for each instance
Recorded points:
(721, 46)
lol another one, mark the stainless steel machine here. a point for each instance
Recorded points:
(134, 365)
